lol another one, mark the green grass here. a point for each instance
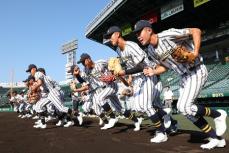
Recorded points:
(185, 124)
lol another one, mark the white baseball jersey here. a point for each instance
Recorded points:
(93, 75)
(25, 98)
(193, 76)
(131, 55)
(54, 95)
(143, 87)
(19, 98)
(14, 100)
(168, 40)
(103, 92)
(22, 100)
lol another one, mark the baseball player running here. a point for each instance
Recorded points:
(24, 105)
(87, 96)
(94, 71)
(103, 91)
(37, 98)
(13, 98)
(145, 90)
(174, 49)
(49, 107)
(54, 95)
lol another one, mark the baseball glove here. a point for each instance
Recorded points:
(182, 55)
(114, 65)
(107, 78)
(34, 97)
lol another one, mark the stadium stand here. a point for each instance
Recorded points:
(4, 102)
(217, 82)
(67, 95)
(216, 85)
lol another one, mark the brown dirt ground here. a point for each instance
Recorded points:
(18, 136)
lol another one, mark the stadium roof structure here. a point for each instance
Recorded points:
(208, 15)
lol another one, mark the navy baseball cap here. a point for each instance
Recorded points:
(83, 57)
(72, 68)
(140, 25)
(41, 70)
(31, 66)
(110, 31)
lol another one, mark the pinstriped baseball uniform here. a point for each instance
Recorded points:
(92, 103)
(54, 94)
(87, 106)
(57, 86)
(86, 99)
(126, 101)
(115, 106)
(89, 101)
(21, 102)
(143, 87)
(24, 105)
(193, 76)
(95, 106)
(158, 86)
(28, 105)
(40, 105)
(14, 100)
(104, 92)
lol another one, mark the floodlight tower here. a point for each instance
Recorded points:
(70, 49)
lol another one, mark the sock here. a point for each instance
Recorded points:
(173, 122)
(205, 127)
(161, 112)
(140, 115)
(103, 117)
(75, 104)
(219, 137)
(130, 115)
(206, 111)
(68, 118)
(157, 123)
(61, 116)
(108, 110)
(42, 116)
(69, 111)
(43, 120)
(91, 112)
(76, 113)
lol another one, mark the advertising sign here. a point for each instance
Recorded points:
(171, 8)
(199, 2)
